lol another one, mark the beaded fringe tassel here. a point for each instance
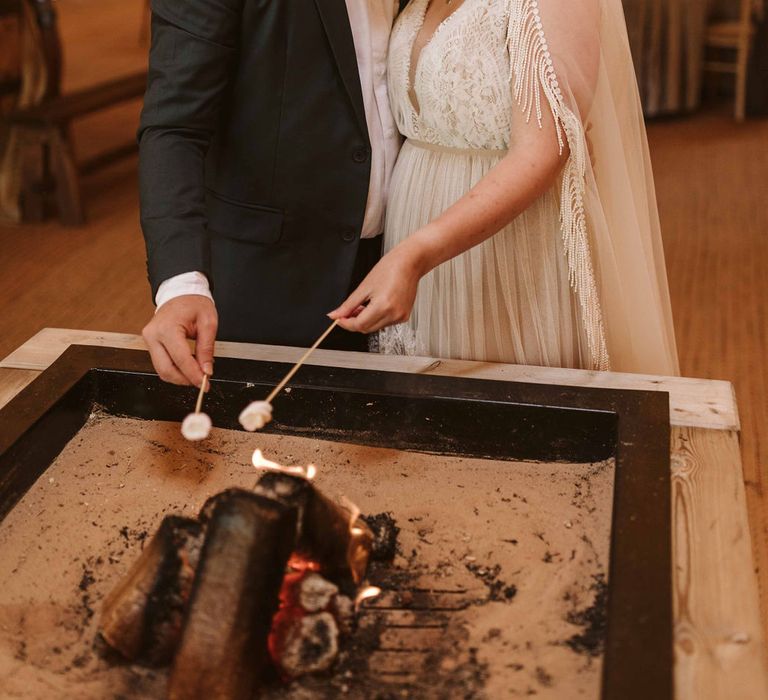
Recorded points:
(531, 68)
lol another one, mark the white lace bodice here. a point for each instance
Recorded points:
(461, 78)
(485, 59)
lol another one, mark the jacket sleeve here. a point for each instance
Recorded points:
(192, 57)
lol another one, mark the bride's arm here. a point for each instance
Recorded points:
(526, 172)
(529, 169)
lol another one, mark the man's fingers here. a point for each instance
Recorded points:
(163, 364)
(179, 350)
(168, 333)
(207, 325)
(351, 307)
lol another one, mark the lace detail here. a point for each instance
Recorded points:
(487, 58)
(459, 78)
(532, 72)
(396, 340)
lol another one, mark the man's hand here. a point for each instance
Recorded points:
(166, 335)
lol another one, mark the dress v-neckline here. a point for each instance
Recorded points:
(414, 62)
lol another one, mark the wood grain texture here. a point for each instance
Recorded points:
(693, 402)
(711, 180)
(12, 381)
(719, 642)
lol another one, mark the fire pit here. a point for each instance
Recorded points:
(533, 545)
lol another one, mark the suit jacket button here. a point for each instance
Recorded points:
(360, 154)
(348, 234)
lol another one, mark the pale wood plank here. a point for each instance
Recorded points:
(46, 346)
(12, 381)
(719, 644)
(693, 402)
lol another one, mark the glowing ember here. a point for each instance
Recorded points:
(299, 563)
(366, 594)
(261, 462)
(312, 618)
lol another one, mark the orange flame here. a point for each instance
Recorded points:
(300, 563)
(358, 550)
(261, 462)
(366, 594)
(354, 514)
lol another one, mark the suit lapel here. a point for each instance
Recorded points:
(333, 14)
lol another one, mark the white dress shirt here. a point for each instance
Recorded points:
(371, 22)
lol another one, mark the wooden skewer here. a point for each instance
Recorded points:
(296, 367)
(201, 394)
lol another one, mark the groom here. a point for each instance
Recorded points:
(266, 147)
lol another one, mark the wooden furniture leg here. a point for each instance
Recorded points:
(33, 159)
(742, 68)
(67, 185)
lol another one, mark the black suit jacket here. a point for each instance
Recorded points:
(255, 159)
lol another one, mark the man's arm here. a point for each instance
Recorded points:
(181, 285)
(191, 59)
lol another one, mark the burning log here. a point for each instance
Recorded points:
(142, 617)
(315, 593)
(306, 644)
(235, 595)
(330, 534)
(305, 631)
(219, 578)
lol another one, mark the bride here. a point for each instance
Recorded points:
(522, 224)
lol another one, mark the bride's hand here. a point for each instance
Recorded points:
(386, 295)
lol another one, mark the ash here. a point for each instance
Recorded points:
(496, 588)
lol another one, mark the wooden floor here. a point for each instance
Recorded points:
(711, 177)
(711, 180)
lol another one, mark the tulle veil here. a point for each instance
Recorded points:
(573, 57)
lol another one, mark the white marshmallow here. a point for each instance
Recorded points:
(196, 426)
(256, 415)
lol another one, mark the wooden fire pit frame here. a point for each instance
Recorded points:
(514, 420)
(720, 650)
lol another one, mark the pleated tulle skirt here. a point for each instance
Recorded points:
(505, 300)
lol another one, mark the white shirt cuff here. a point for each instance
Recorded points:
(180, 285)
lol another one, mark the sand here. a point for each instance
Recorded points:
(523, 546)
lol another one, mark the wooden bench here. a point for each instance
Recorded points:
(49, 169)
(10, 74)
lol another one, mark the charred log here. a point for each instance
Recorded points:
(142, 617)
(306, 643)
(326, 533)
(385, 532)
(235, 595)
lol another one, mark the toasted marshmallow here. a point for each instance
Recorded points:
(196, 426)
(256, 415)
